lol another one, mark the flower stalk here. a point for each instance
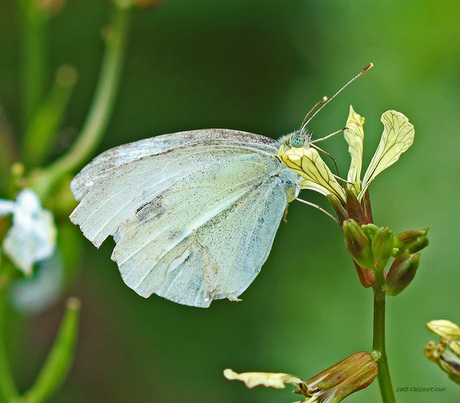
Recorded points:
(60, 358)
(34, 21)
(100, 110)
(378, 346)
(8, 390)
(31, 237)
(370, 247)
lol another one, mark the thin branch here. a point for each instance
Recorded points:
(101, 108)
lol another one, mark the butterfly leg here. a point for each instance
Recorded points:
(317, 207)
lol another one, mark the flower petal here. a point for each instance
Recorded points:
(398, 136)
(32, 236)
(6, 207)
(444, 328)
(34, 294)
(277, 380)
(317, 175)
(28, 202)
(455, 347)
(354, 136)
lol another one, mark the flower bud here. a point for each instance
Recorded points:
(366, 276)
(358, 244)
(342, 214)
(382, 246)
(370, 230)
(412, 240)
(354, 208)
(433, 351)
(401, 273)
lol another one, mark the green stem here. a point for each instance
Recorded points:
(44, 124)
(9, 153)
(100, 110)
(384, 379)
(60, 358)
(33, 63)
(8, 391)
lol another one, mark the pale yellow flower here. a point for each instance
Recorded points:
(446, 352)
(332, 385)
(277, 380)
(444, 328)
(397, 137)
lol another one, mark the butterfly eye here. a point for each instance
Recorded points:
(297, 141)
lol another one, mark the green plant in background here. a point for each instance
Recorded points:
(29, 245)
(29, 240)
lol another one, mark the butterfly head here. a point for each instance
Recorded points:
(298, 139)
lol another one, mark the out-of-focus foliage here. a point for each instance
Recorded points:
(259, 66)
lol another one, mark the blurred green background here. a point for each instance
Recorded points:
(259, 66)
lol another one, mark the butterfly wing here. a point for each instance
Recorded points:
(193, 214)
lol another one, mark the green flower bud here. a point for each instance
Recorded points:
(401, 273)
(412, 240)
(370, 230)
(358, 244)
(382, 246)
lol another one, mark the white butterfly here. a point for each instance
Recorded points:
(193, 214)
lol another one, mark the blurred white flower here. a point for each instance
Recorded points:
(32, 236)
(34, 294)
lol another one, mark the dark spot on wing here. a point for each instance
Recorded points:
(141, 207)
(152, 209)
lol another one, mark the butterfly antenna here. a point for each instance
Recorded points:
(320, 102)
(324, 103)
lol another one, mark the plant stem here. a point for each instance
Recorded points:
(8, 391)
(45, 123)
(386, 389)
(100, 110)
(60, 358)
(33, 65)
